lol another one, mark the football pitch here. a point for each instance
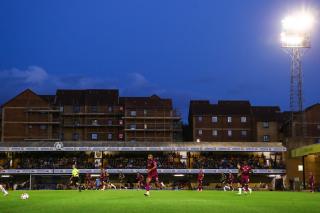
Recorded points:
(159, 201)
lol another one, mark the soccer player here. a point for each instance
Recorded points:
(4, 191)
(103, 178)
(311, 182)
(121, 180)
(229, 182)
(152, 174)
(98, 183)
(244, 171)
(140, 179)
(88, 181)
(200, 180)
(109, 184)
(75, 179)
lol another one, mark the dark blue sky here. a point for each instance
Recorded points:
(184, 49)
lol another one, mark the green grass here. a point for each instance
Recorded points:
(159, 201)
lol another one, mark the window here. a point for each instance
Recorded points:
(145, 112)
(244, 133)
(230, 133)
(229, 119)
(133, 113)
(200, 118)
(30, 126)
(94, 122)
(145, 126)
(266, 138)
(318, 126)
(109, 122)
(318, 140)
(76, 108)
(243, 119)
(132, 126)
(61, 136)
(94, 109)
(94, 136)
(120, 122)
(214, 119)
(200, 132)
(265, 124)
(109, 136)
(120, 136)
(75, 136)
(214, 132)
(76, 122)
(109, 108)
(43, 127)
(61, 109)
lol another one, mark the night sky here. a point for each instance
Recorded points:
(184, 49)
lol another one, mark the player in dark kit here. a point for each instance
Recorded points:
(152, 174)
(121, 180)
(88, 181)
(140, 179)
(244, 172)
(229, 182)
(200, 180)
(311, 182)
(103, 178)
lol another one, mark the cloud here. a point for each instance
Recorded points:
(31, 75)
(41, 81)
(15, 80)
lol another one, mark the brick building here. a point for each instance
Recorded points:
(233, 121)
(89, 115)
(151, 119)
(267, 123)
(29, 116)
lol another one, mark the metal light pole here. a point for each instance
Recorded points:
(295, 39)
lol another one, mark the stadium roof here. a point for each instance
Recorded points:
(141, 146)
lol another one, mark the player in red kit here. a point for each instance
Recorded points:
(244, 171)
(152, 173)
(311, 182)
(200, 180)
(140, 179)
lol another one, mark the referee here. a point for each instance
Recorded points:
(75, 179)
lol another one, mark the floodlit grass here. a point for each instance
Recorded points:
(159, 201)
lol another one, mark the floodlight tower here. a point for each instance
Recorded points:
(295, 40)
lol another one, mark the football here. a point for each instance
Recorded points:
(24, 196)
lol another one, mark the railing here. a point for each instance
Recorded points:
(133, 171)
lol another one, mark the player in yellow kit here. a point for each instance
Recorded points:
(75, 179)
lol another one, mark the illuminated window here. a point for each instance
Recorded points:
(94, 136)
(214, 119)
(214, 132)
(243, 119)
(266, 138)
